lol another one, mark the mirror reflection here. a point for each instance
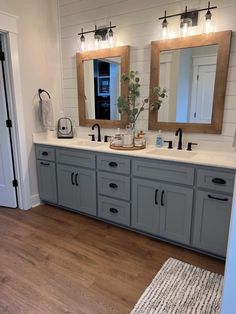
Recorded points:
(189, 76)
(102, 88)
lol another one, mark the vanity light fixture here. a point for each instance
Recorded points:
(208, 23)
(103, 36)
(185, 24)
(165, 28)
(110, 37)
(187, 20)
(82, 40)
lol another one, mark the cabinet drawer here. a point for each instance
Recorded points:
(114, 185)
(45, 152)
(114, 210)
(215, 180)
(211, 222)
(163, 171)
(113, 163)
(76, 158)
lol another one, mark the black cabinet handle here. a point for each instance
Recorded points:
(218, 198)
(114, 210)
(44, 163)
(72, 178)
(113, 164)
(156, 193)
(219, 181)
(45, 153)
(113, 185)
(162, 198)
(76, 179)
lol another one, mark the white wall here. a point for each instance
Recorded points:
(39, 57)
(137, 25)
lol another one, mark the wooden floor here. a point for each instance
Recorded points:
(55, 261)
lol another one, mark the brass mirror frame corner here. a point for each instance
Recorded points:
(223, 40)
(124, 53)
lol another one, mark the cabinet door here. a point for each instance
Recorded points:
(145, 205)
(211, 222)
(176, 213)
(47, 181)
(86, 191)
(66, 186)
(77, 188)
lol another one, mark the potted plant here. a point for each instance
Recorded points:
(131, 105)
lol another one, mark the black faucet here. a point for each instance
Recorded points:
(99, 131)
(180, 133)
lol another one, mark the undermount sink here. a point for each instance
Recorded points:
(85, 143)
(172, 153)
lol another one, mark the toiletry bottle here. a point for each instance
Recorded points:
(159, 139)
(118, 141)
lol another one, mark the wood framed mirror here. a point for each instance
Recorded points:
(99, 85)
(194, 72)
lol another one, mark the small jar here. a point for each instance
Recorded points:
(138, 141)
(128, 140)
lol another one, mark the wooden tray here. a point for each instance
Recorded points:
(127, 148)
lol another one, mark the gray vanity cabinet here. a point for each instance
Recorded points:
(46, 169)
(77, 188)
(113, 186)
(179, 202)
(162, 209)
(47, 181)
(211, 222)
(176, 212)
(145, 205)
(66, 186)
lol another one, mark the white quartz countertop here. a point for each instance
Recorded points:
(197, 156)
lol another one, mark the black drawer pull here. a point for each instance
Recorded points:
(113, 185)
(218, 198)
(113, 164)
(76, 179)
(72, 178)
(44, 163)
(219, 181)
(114, 210)
(156, 193)
(45, 153)
(162, 198)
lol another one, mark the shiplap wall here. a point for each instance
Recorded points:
(137, 25)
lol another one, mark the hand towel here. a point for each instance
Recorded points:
(46, 113)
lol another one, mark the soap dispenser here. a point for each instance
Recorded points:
(159, 139)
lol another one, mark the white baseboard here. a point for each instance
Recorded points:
(35, 200)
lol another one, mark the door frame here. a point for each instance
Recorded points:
(8, 28)
(210, 59)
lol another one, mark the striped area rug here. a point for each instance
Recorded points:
(181, 288)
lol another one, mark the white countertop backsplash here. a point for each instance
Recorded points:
(216, 154)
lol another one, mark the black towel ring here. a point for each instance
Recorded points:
(40, 91)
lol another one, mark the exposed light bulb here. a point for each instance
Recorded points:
(97, 41)
(82, 41)
(110, 38)
(164, 29)
(185, 27)
(208, 22)
(208, 26)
